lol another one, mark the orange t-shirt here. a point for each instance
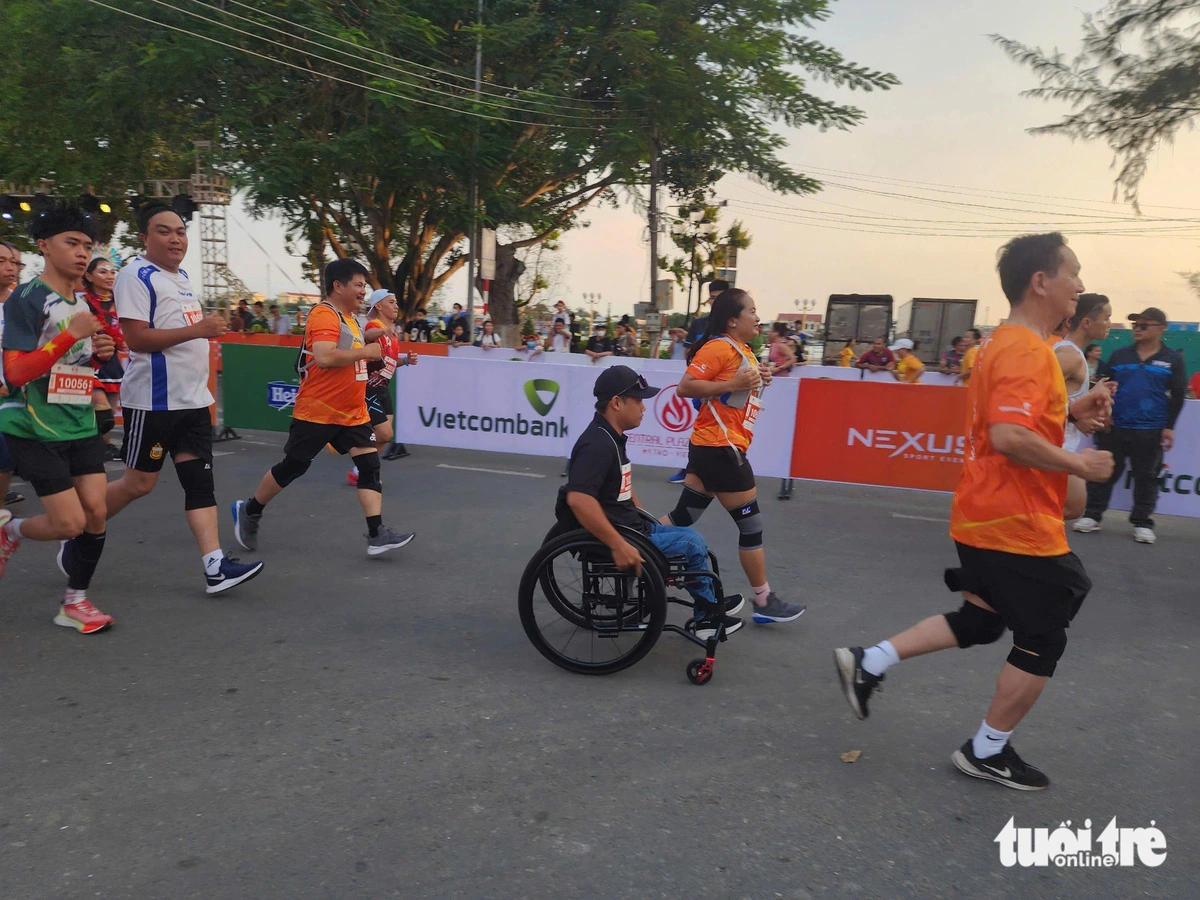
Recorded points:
(1000, 505)
(332, 396)
(718, 360)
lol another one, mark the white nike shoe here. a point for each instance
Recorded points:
(1144, 535)
(1086, 525)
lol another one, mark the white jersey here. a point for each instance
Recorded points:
(175, 378)
(1072, 435)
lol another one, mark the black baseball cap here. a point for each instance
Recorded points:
(622, 381)
(1150, 314)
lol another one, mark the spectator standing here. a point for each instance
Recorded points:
(1151, 381)
(952, 358)
(235, 320)
(847, 357)
(488, 339)
(418, 328)
(908, 368)
(878, 359)
(678, 349)
(458, 337)
(599, 345)
(700, 322)
(279, 323)
(974, 338)
(626, 342)
(247, 317)
(561, 315)
(259, 323)
(559, 340)
(1092, 354)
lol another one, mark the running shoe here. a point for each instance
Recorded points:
(678, 477)
(387, 540)
(113, 453)
(231, 574)
(1004, 768)
(734, 604)
(352, 478)
(775, 610)
(1086, 525)
(7, 545)
(396, 451)
(1144, 535)
(857, 683)
(706, 628)
(83, 617)
(245, 526)
(13, 497)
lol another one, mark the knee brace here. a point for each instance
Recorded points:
(105, 420)
(749, 523)
(973, 625)
(1038, 654)
(690, 507)
(289, 469)
(196, 479)
(368, 472)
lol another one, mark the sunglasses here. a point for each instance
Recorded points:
(1142, 326)
(640, 383)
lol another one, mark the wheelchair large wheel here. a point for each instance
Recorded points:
(585, 615)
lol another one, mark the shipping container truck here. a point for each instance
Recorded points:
(855, 320)
(932, 324)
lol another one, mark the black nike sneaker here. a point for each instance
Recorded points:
(1005, 768)
(857, 683)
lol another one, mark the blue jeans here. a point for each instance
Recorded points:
(676, 540)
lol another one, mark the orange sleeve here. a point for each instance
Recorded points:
(1017, 392)
(323, 325)
(710, 361)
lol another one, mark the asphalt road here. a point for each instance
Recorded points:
(346, 727)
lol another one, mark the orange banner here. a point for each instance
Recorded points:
(897, 435)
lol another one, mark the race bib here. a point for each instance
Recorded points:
(192, 311)
(753, 405)
(70, 385)
(388, 370)
(626, 482)
(360, 370)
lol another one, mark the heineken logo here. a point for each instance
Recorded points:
(541, 394)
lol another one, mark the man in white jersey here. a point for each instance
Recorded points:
(1091, 322)
(165, 389)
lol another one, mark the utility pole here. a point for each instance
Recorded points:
(472, 198)
(653, 325)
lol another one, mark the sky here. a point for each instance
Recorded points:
(957, 123)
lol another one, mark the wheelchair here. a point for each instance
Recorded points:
(585, 615)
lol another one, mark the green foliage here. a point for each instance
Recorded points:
(1134, 84)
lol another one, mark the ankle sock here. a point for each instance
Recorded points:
(881, 657)
(13, 529)
(988, 741)
(373, 524)
(761, 593)
(254, 508)
(212, 562)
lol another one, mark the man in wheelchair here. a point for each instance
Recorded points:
(599, 495)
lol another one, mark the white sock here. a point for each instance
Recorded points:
(13, 529)
(354, 470)
(761, 593)
(988, 741)
(73, 596)
(212, 562)
(881, 657)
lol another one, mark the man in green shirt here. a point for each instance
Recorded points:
(50, 340)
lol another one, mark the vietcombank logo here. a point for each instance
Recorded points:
(541, 394)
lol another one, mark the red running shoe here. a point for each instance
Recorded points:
(352, 478)
(83, 617)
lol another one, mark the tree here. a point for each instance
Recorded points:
(703, 246)
(1193, 281)
(1134, 84)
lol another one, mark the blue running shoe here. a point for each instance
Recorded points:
(231, 574)
(776, 611)
(678, 477)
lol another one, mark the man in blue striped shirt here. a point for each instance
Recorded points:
(1151, 383)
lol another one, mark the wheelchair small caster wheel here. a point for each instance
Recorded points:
(699, 671)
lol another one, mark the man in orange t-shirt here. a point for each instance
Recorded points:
(1017, 571)
(331, 408)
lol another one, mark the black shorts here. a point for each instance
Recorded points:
(50, 466)
(6, 463)
(152, 434)
(307, 439)
(379, 405)
(721, 469)
(1033, 594)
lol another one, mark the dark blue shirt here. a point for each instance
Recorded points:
(1150, 392)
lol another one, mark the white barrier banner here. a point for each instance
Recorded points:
(1179, 483)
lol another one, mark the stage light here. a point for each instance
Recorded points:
(25, 207)
(105, 208)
